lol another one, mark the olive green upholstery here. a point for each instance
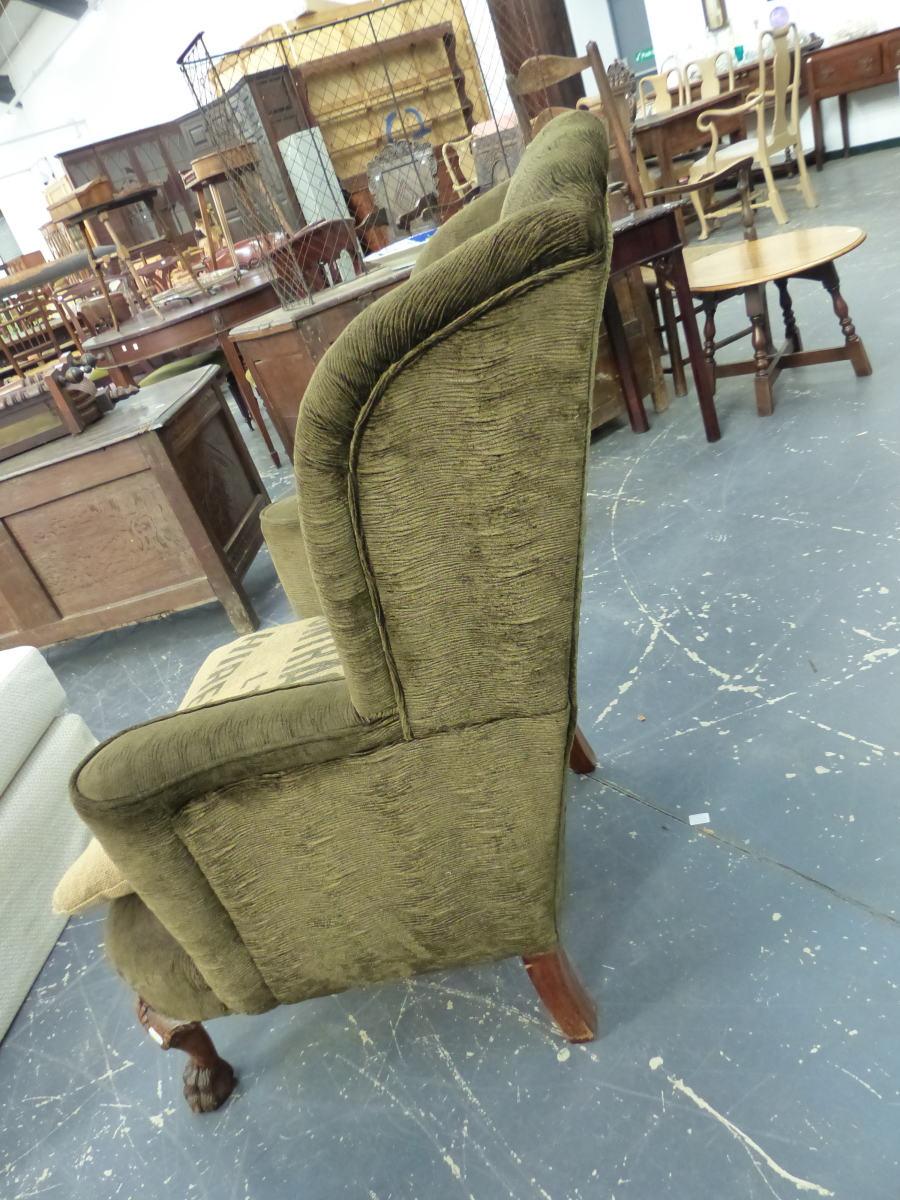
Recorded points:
(280, 524)
(182, 365)
(405, 817)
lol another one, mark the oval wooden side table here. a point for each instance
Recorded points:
(745, 268)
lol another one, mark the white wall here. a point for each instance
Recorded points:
(111, 72)
(678, 28)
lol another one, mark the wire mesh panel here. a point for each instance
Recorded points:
(339, 133)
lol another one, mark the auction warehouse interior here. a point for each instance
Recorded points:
(449, 553)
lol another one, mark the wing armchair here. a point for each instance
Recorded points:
(398, 808)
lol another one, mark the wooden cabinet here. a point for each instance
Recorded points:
(281, 349)
(154, 508)
(848, 67)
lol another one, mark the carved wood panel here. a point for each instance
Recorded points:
(105, 545)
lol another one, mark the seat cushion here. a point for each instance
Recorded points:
(30, 698)
(40, 835)
(301, 652)
(280, 525)
(182, 365)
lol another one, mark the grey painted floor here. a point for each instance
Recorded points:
(738, 635)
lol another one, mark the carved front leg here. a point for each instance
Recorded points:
(208, 1079)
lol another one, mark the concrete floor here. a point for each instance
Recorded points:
(738, 636)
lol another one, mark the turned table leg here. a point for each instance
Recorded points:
(755, 301)
(208, 1079)
(791, 332)
(563, 994)
(855, 348)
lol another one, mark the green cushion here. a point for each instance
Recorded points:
(280, 524)
(182, 365)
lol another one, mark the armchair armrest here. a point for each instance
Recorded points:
(711, 179)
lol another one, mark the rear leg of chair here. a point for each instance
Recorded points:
(774, 199)
(208, 1079)
(563, 994)
(701, 216)
(582, 758)
(806, 186)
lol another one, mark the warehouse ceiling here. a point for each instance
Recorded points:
(17, 18)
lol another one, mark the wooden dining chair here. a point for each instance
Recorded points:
(541, 72)
(777, 110)
(654, 91)
(707, 70)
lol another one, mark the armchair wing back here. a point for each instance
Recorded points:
(314, 837)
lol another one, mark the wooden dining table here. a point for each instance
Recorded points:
(667, 135)
(185, 324)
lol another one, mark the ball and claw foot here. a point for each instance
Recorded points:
(208, 1079)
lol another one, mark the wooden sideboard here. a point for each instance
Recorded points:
(152, 509)
(848, 67)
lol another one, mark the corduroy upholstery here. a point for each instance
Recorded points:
(280, 525)
(311, 837)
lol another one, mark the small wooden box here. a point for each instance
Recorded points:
(96, 191)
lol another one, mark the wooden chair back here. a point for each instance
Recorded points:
(544, 70)
(784, 92)
(26, 335)
(708, 71)
(462, 170)
(654, 95)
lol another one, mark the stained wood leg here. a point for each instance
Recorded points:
(563, 995)
(674, 265)
(619, 342)
(791, 332)
(208, 1079)
(755, 302)
(709, 337)
(855, 348)
(673, 341)
(239, 371)
(582, 759)
(845, 124)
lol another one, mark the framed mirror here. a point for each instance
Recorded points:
(716, 16)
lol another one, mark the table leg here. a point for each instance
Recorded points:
(674, 265)
(845, 123)
(121, 374)
(855, 348)
(619, 342)
(239, 371)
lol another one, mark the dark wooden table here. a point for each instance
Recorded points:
(852, 66)
(651, 238)
(152, 509)
(666, 135)
(183, 325)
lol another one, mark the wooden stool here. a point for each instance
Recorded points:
(746, 267)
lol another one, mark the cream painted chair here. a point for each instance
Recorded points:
(654, 96)
(707, 69)
(782, 134)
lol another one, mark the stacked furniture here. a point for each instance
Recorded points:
(40, 834)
